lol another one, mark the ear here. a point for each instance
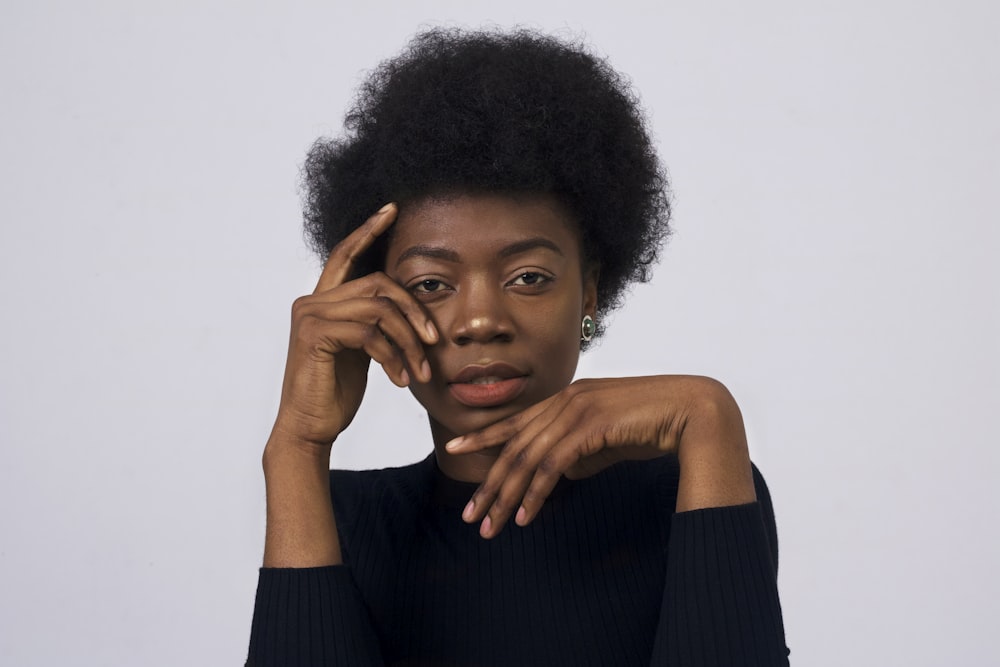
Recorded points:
(591, 277)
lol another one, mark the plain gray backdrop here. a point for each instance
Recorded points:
(835, 167)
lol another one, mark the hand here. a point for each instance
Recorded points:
(338, 330)
(592, 424)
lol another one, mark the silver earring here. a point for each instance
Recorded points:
(587, 328)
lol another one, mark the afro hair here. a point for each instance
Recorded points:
(497, 112)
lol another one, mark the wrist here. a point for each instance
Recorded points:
(283, 449)
(712, 451)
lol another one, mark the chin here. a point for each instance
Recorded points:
(451, 418)
(455, 420)
(469, 420)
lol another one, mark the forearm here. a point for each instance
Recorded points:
(301, 528)
(720, 604)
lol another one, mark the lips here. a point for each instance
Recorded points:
(483, 386)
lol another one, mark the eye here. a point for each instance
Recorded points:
(428, 286)
(530, 278)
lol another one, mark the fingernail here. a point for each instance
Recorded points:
(453, 444)
(405, 377)
(522, 515)
(484, 527)
(431, 331)
(469, 509)
(425, 370)
(386, 208)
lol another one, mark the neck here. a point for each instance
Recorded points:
(461, 467)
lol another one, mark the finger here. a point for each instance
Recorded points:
(491, 436)
(342, 335)
(550, 470)
(577, 436)
(515, 434)
(386, 355)
(497, 434)
(497, 504)
(523, 457)
(384, 313)
(380, 285)
(539, 457)
(382, 327)
(345, 254)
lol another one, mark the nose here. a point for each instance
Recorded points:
(481, 316)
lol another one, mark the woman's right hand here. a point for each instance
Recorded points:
(337, 330)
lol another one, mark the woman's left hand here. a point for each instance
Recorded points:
(592, 424)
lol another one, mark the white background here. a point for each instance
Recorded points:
(835, 168)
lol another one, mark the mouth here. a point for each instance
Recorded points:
(490, 379)
(488, 385)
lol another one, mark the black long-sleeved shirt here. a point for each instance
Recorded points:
(607, 574)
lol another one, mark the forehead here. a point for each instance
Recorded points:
(483, 223)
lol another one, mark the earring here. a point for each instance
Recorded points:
(587, 328)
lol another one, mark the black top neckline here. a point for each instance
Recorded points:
(453, 493)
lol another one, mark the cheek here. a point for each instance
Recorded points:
(558, 325)
(556, 337)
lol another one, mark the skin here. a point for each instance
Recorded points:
(470, 281)
(513, 290)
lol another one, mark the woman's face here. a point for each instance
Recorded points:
(502, 279)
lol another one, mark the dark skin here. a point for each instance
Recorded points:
(478, 311)
(512, 292)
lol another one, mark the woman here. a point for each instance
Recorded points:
(597, 522)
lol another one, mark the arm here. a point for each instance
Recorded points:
(301, 529)
(593, 424)
(311, 617)
(336, 332)
(308, 610)
(720, 603)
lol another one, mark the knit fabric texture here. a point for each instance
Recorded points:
(607, 574)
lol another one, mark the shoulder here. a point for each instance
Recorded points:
(662, 474)
(349, 488)
(658, 478)
(372, 506)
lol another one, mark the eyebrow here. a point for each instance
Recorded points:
(429, 251)
(529, 244)
(437, 252)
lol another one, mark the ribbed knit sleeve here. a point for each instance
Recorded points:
(310, 616)
(720, 602)
(606, 575)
